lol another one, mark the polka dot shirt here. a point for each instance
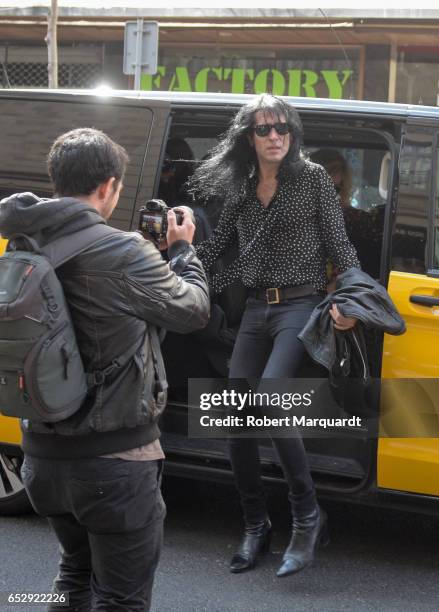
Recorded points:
(286, 244)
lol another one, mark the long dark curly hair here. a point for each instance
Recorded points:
(225, 174)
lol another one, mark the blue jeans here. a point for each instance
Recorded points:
(267, 347)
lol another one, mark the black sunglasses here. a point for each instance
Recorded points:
(263, 129)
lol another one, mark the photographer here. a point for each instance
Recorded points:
(96, 475)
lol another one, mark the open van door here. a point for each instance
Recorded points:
(411, 463)
(345, 464)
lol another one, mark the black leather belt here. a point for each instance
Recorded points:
(275, 295)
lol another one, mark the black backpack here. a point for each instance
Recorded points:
(41, 372)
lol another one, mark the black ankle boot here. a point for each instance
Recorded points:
(309, 532)
(256, 541)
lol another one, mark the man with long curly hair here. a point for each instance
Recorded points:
(283, 214)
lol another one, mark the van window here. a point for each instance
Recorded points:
(25, 144)
(190, 142)
(356, 173)
(414, 201)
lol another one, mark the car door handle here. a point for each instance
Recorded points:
(424, 300)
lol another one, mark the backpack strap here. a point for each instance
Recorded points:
(29, 243)
(159, 366)
(62, 249)
(97, 377)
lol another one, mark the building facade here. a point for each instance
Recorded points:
(366, 55)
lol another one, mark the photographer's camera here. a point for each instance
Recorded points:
(153, 219)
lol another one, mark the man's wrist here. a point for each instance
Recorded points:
(180, 254)
(177, 247)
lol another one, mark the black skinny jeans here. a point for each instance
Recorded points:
(267, 347)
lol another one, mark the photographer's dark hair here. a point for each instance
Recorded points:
(82, 159)
(233, 161)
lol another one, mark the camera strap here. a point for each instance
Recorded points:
(182, 255)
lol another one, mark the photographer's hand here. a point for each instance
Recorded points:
(175, 232)
(162, 245)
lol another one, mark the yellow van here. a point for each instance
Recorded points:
(393, 153)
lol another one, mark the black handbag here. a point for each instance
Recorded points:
(351, 384)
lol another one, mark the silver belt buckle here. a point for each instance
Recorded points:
(269, 293)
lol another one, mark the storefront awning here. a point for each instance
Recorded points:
(248, 33)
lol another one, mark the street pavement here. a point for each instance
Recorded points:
(378, 560)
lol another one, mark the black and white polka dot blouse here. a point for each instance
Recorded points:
(286, 244)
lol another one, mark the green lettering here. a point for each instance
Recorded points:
(294, 78)
(311, 79)
(335, 87)
(278, 82)
(300, 82)
(151, 81)
(261, 82)
(180, 80)
(238, 79)
(226, 75)
(201, 79)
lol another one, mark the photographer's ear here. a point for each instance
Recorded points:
(106, 189)
(107, 196)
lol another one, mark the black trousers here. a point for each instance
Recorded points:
(267, 347)
(108, 517)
